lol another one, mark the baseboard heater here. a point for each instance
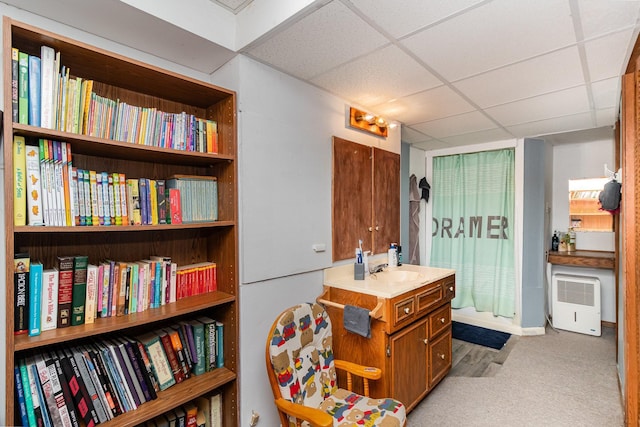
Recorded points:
(576, 304)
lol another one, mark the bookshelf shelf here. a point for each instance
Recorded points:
(143, 86)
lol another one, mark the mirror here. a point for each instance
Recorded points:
(584, 206)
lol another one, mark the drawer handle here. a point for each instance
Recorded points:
(425, 341)
(442, 319)
(407, 310)
(442, 356)
(450, 288)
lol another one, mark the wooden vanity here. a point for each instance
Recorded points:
(410, 329)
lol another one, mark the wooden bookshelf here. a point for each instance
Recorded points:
(143, 85)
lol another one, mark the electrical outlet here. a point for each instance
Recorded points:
(255, 417)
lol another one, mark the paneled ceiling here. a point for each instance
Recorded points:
(452, 72)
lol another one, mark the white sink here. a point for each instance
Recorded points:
(398, 276)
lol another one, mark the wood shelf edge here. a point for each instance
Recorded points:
(590, 259)
(120, 228)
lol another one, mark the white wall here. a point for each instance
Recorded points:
(417, 166)
(583, 160)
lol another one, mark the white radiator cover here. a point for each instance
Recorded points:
(576, 304)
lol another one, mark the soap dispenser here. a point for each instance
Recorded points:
(392, 255)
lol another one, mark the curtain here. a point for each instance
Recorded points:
(473, 227)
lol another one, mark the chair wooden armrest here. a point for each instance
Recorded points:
(365, 372)
(316, 417)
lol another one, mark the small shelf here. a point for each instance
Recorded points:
(174, 396)
(118, 323)
(592, 259)
(121, 228)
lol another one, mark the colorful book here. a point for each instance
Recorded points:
(48, 395)
(133, 199)
(159, 361)
(75, 195)
(175, 208)
(65, 162)
(61, 390)
(35, 297)
(28, 396)
(93, 198)
(19, 181)
(47, 75)
(21, 317)
(143, 189)
(123, 366)
(109, 208)
(197, 328)
(172, 357)
(91, 298)
(49, 312)
(219, 344)
(153, 201)
(101, 199)
(80, 263)
(124, 211)
(34, 186)
(88, 202)
(114, 187)
(20, 396)
(209, 342)
(162, 204)
(77, 389)
(89, 378)
(65, 290)
(107, 386)
(23, 88)
(34, 90)
(15, 70)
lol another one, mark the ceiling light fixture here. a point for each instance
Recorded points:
(368, 122)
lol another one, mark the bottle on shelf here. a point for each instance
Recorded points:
(555, 241)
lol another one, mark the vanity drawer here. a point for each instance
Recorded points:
(439, 320)
(429, 296)
(403, 310)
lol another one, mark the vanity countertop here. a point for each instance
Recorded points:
(392, 282)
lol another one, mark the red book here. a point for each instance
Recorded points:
(176, 367)
(175, 208)
(65, 290)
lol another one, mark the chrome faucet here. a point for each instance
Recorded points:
(378, 268)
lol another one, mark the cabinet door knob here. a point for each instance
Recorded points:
(450, 288)
(442, 319)
(406, 310)
(442, 356)
(377, 228)
(425, 341)
(370, 228)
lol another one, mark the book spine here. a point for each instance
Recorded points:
(116, 198)
(146, 363)
(92, 382)
(124, 365)
(20, 396)
(34, 90)
(83, 407)
(26, 387)
(175, 207)
(67, 175)
(23, 88)
(49, 303)
(106, 278)
(35, 298)
(79, 292)
(88, 202)
(21, 317)
(179, 349)
(91, 297)
(199, 341)
(59, 187)
(122, 188)
(34, 186)
(65, 406)
(219, 344)
(86, 386)
(100, 198)
(47, 56)
(153, 201)
(159, 361)
(138, 370)
(65, 290)
(117, 380)
(176, 368)
(143, 186)
(109, 208)
(95, 220)
(36, 393)
(107, 387)
(73, 181)
(14, 84)
(48, 398)
(19, 181)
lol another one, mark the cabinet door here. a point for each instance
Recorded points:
(409, 363)
(351, 211)
(386, 199)
(439, 358)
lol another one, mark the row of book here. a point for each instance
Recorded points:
(45, 94)
(50, 191)
(92, 383)
(205, 411)
(76, 292)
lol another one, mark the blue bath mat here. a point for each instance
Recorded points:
(478, 335)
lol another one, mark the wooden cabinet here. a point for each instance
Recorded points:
(366, 198)
(141, 85)
(411, 341)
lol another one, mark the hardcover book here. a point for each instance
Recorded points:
(92, 391)
(22, 405)
(91, 297)
(49, 313)
(28, 396)
(158, 358)
(65, 290)
(34, 186)
(35, 297)
(79, 293)
(34, 90)
(23, 88)
(14, 84)
(21, 263)
(19, 181)
(47, 75)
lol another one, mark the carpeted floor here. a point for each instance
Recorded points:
(558, 379)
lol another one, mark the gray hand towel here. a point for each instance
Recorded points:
(357, 320)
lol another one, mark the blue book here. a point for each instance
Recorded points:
(26, 387)
(219, 345)
(143, 185)
(20, 395)
(34, 90)
(35, 300)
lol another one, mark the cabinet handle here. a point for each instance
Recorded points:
(442, 319)
(450, 288)
(425, 341)
(377, 228)
(370, 228)
(442, 356)
(406, 310)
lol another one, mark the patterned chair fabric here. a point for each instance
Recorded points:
(301, 356)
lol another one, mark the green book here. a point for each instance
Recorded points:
(24, 376)
(23, 88)
(79, 295)
(200, 366)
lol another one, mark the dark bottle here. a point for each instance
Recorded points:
(555, 241)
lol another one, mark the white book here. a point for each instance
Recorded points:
(47, 72)
(100, 198)
(49, 304)
(91, 298)
(172, 282)
(59, 184)
(122, 183)
(73, 194)
(34, 187)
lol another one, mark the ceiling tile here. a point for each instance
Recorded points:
(493, 35)
(555, 125)
(481, 137)
(434, 144)
(455, 125)
(429, 105)
(412, 136)
(561, 103)
(370, 80)
(606, 93)
(606, 117)
(330, 36)
(548, 73)
(607, 56)
(600, 17)
(400, 18)
(233, 5)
